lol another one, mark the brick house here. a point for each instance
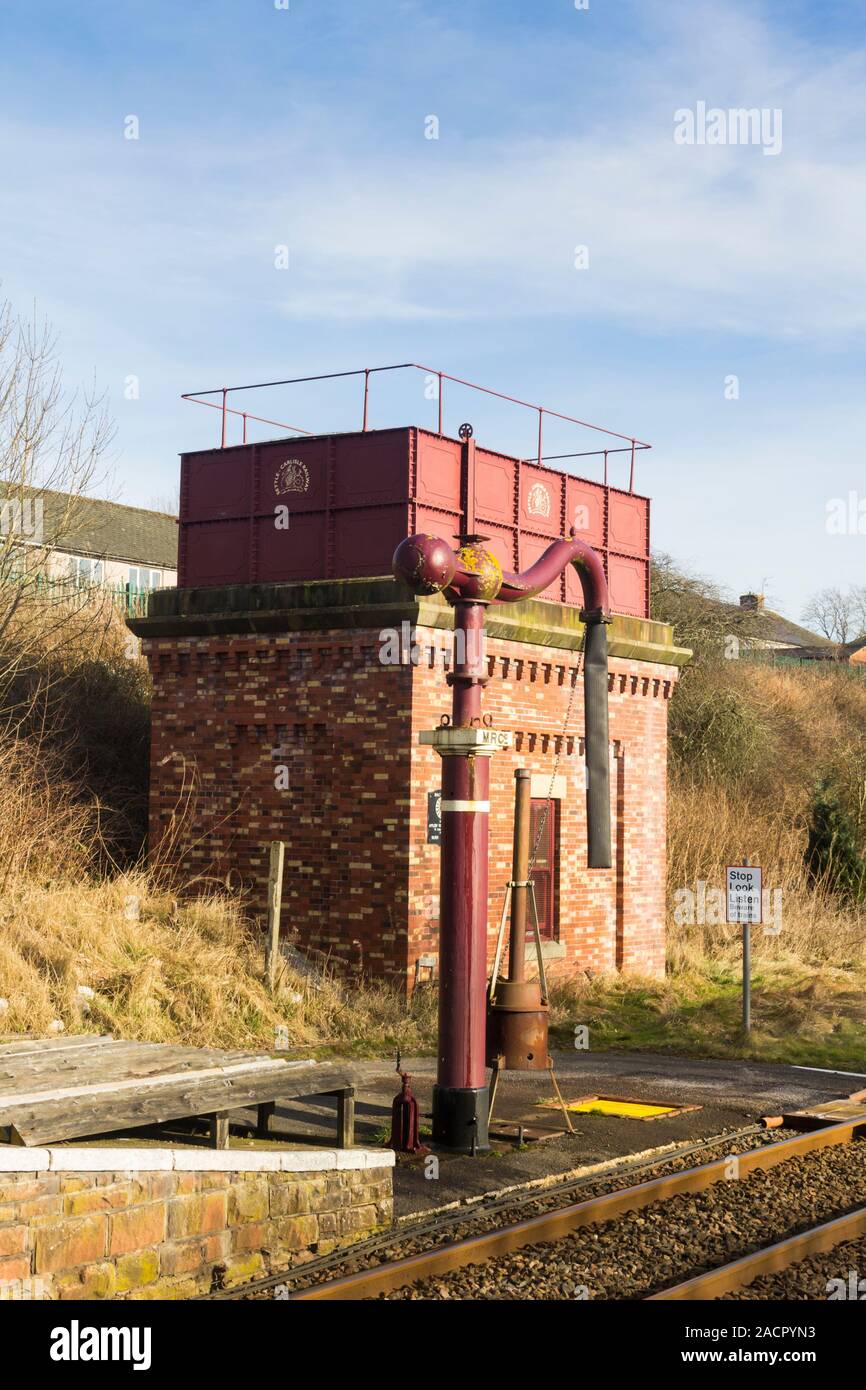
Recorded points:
(282, 702)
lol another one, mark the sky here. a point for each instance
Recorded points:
(284, 211)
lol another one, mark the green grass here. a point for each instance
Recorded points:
(808, 1017)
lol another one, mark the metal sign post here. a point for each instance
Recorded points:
(744, 897)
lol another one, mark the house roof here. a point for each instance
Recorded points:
(763, 625)
(833, 651)
(105, 530)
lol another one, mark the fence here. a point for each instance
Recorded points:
(789, 657)
(127, 599)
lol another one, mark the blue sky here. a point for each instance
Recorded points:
(262, 127)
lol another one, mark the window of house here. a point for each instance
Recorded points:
(85, 572)
(144, 579)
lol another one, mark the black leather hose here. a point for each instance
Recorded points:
(597, 744)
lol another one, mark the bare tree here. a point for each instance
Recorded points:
(54, 447)
(858, 596)
(702, 617)
(166, 502)
(839, 615)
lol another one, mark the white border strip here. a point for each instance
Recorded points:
(92, 1160)
(831, 1071)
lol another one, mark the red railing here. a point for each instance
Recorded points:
(631, 444)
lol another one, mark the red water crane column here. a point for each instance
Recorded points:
(470, 580)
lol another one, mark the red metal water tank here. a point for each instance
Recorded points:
(351, 498)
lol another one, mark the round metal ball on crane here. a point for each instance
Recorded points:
(426, 563)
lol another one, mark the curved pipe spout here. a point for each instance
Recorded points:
(472, 578)
(595, 613)
(473, 574)
(587, 562)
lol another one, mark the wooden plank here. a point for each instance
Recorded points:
(88, 1064)
(346, 1117)
(275, 898)
(122, 1061)
(25, 1046)
(219, 1130)
(108, 1114)
(136, 1084)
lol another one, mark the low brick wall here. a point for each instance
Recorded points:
(174, 1223)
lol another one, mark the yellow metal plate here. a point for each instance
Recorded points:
(624, 1109)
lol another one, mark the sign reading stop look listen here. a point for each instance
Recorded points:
(744, 894)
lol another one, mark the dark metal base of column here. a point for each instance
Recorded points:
(460, 1118)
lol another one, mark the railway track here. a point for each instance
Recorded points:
(670, 1237)
(772, 1260)
(412, 1235)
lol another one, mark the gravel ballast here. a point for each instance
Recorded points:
(645, 1251)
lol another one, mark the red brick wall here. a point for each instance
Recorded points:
(606, 919)
(361, 883)
(227, 714)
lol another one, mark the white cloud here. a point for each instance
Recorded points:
(712, 238)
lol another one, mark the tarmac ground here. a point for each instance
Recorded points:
(721, 1096)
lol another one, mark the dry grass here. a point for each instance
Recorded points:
(749, 744)
(711, 827)
(189, 973)
(782, 730)
(72, 789)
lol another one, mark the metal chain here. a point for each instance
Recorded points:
(558, 758)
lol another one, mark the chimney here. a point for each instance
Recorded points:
(753, 603)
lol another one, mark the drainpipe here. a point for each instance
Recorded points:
(471, 579)
(596, 615)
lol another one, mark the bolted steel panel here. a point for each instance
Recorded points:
(350, 498)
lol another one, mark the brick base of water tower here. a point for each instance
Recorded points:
(280, 712)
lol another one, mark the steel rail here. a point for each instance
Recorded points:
(552, 1226)
(772, 1258)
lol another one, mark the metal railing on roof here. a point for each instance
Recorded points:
(631, 445)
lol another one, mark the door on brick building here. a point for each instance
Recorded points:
(544, 823)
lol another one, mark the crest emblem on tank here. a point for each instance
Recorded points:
(538, 501)
(292, 475)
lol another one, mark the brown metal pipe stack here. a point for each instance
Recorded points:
(520, 875)
(517, 1016)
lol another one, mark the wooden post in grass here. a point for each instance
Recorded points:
(275, 897)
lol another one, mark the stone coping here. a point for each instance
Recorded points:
(157, 1160)
(340, 604)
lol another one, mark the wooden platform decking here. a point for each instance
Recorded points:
(53, 1089)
